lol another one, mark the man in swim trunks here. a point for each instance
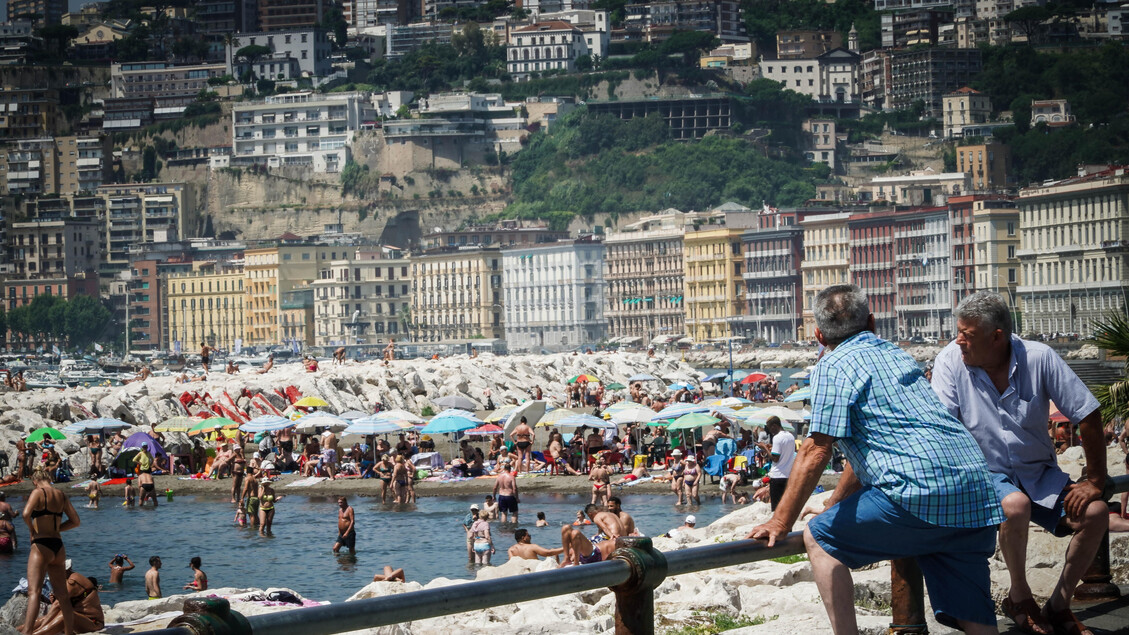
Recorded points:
(339, 355)
(579, 549)
(523, 436)
(205, 356)
(148, 489)
(346, 527)
(118, 566)
(153, 578)
(601, 481)
(526, 550)
(505, 488)
(489, 509)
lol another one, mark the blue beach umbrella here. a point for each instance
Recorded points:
(802, 394)
(101, 424)
(642, 377)
(679, 409)
(716, 376)
(267, 423)
(451, 420)
(377, 425)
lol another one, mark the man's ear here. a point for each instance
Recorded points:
(819, 337)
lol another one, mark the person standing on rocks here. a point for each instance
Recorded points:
(205, 356)
(1000, 386)
(523, 437)
(916, 486)
(783, 453)
(390, 351)
(339, 355)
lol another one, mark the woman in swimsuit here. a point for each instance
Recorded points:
(43, 514)
(482, 543)
(692, 474)
(677, 475)
(95, 447)
(384, 469)
(267, 499)
(238, 467)
(400, 480)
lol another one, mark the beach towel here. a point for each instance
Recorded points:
(637, 481)
(307, 482)
(159, 617)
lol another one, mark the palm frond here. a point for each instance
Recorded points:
(1112, 333)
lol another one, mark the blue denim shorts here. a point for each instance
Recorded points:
(868, 527)
(1048, 519)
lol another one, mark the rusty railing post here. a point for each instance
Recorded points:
(907, 598)
(1097, 582)
(211, 616)
(635, 599)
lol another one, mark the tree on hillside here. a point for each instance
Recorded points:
(251, 54)
(1031, 21)
(57, 39)
(689, 44)
(19, 320)
(85, 319)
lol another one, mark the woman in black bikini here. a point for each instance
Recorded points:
(43, 514)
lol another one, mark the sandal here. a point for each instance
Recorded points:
(1064, 622)
(1033, 621)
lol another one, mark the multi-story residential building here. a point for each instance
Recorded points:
(1052, 112)
(127, 114)
(436, 9)
(60, 165)
(773, 251)
(1073, 250)
(169, 84)
(28, 113)
(872, 266)
(657, 21)
(918, 188)
(690, 117)
(296, 317)
(55, 257)
(826, 261)
(554, 295)
(271, 272)
(295, 129)
(143, 212)
(18, 42)
(988, 165)
(295, 53)
(283, 15)
(505, 233)
(217, 17)
(928, 74)
(821, 141)
(806, 45)
(537, 7)
(363, 14)
(405, 38)
(453, 129)
(963, 257)
(41, 13)
(360, 299)
(970, 32)
(876, 78)
(923, 273)
(964, 107)
(713, 265)
(553, 45)
(894, 5)
(997, 242)
(829, 77)
(914, 28)
(643, 270)
(456, 294)
(206, 305)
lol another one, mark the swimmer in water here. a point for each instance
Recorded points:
(118, 566)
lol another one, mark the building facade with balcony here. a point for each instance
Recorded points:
(51, 257)
(554, 295)
(138, 213)
(827, 252)
(295, 53)
(59, 165)
(169, 84)
(831, 77)
(295, 129)
(964, 107)
(360, 300)
(296, 316)
(928, 75)
(205, 305)
(643, 271)
(923, 274)
(713, 264)
(271, 272)
(1073, 250)
(506, 233)
(773, 287)
(456, 294)
(997, 242)
(28, 113)
(545, 46)
(872, 266)
(988, 165)
(657, 21)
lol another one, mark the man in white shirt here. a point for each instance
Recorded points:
(783, 455)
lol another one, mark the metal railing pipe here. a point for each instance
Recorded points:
(727, 554)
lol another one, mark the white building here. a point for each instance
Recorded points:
(537, 8)
(296, 129)
(387, 103)
(831, 77)
(551, 46)
(919, 187)
(297, 53)
(359, 300)
(554, 295)
(594, 24)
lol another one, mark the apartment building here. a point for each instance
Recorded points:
(920, 27)
(363, 14)
(59, 165)
(168, 84)
(962, 108)
(806, 45)
(456, 294)
(821, 142)
(988, 165)
(928, 74)
(831, 77)
(506, 233)
(55, 257)
(713, 265)
(657, 21)
(1052, 112)
(826, 261)
(923, 273)
(41, 13)
(18, 42)
(295, 53)
(28, 113)
(296, 317)
(405, 38)
(872, 266)
(205, 305)
(454, 129)
(283, 15)
(302, 129)
(143, 212)
(362, 298)
(1073, 251)
(916, 189)
(271, 272)
(548, 46)
(644, 274)
(773, 251)
(554, 295)
(997, 243)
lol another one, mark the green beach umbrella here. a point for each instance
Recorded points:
(615, 386)
(176, 424)
(215, 423)
(693, 420)
(45, 433)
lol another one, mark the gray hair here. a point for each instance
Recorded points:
(986, 309)
(841, 311)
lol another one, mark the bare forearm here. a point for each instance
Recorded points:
(848, 484)
(809, 465)
(1093, 445)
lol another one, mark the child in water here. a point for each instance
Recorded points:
(541, 522)
(240, 516)
(130, 493)
(94, 491)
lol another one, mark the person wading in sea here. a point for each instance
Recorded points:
(346, 527)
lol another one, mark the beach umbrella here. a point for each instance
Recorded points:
(679, 409)
(315, 420)
(802, 394)
(753, 378)
(553, 416)
(722, 411)
(486, 428)
(642, 377)
(679, 385)
(636, 413)
(729, 402)
(452, 420)
(803, 374)
(101, 424)
(133, 445)
(176, 424)
(456, 401)
(1056, 415)
(760, 415)
(587, 378)
(615, 386)
(693, 420)
(399, 415)
(214, 423)
(267, 423)
(377, 425)
(43, 434)
(584, 420)
(620, 405)
(716, 376)
(500, 413)
(353, 415)
(311, 402)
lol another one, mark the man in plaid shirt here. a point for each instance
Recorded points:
(916, 487)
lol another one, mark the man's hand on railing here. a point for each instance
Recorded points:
(770, 531)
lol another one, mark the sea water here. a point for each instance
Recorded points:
(425, 539)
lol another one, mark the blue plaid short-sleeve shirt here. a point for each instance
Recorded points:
(900, 439)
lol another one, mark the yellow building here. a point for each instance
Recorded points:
(205, 305)
(712, 262)
(825, 263)
(995, 228)
(457, 295)
(988, 165)
(271, 272)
